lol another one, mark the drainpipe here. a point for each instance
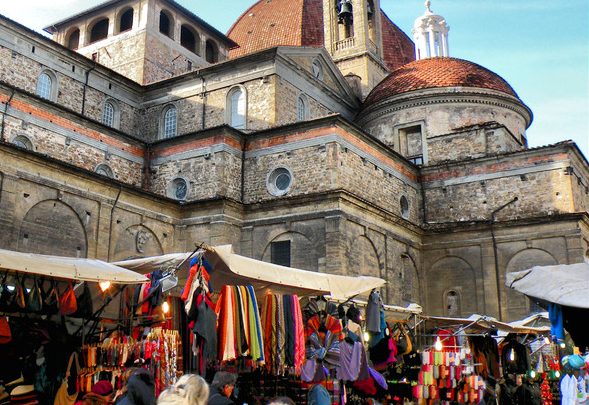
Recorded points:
(495, 255)
(112, 210)
(85, 87)
(146, 167)
(4, 115)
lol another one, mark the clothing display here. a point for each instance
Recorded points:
(239, 331)
(448, 376)
(486, 356)
(158, 350)
(284, 338)
(515, 357)
(373, 311)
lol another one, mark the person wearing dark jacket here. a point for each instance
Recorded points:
(222, 388)
(140, 389)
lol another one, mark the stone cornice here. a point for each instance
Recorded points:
(445, 95)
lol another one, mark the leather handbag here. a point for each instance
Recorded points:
(84, 301)
(35, 300)
(7, 296)
(51, 301)
(68, 303)
(21, 293)
(5, 333)
(63, 397)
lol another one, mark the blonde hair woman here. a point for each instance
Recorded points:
(191, 389)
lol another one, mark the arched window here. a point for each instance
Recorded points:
(46, 85)
(237, 107)
(453, 303)
(212, 52)
(73, 41)
(126, 20)
(302, 108)
(23, 142)
(166, 24)
(110, 114)
(189, 39)
(169, 122)
(404, 205)
(104, 170)
(99, 30)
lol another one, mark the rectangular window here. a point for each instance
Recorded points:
(280, 253)
(411, 144)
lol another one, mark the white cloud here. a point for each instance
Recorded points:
(37, 14)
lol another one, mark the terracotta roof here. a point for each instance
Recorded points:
(397, 48)
(437, 72)
(270, 23)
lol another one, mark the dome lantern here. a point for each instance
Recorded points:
(430, 34)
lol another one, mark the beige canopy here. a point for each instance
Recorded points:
(234, 269)
(68, 268)
(563, 284)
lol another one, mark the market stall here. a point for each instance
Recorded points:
(283, 330)
(49, 306)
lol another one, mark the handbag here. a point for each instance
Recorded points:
(403, 338)
(21, 293)
(84, 303)
(63, 397)
(68, 304)
(5, 333)
(7, 296)
(34, 300)
(51, 301)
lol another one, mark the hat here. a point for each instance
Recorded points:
(102, 388)
(576, 362)
(223, 378)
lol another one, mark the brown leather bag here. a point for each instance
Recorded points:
(68, 303)
(62, 397)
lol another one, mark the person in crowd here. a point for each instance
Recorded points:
(101, 394)
(190, 389)
(140, 389)
(281, 401)
(222, 388)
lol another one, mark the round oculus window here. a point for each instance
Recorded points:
(179, 189)
(279, 181)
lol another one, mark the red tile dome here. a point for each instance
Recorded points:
(434, 73)
(270, 23)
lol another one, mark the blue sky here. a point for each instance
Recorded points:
(541, 47)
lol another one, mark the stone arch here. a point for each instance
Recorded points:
(451, 273)
(517, 304)
(303, 251)
(363, 257)
(137, 241)
(52, 227)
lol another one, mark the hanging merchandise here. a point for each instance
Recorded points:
(201, 315)
(324, 335)
(486, 355)
(448, 376)
(284, 338)
(5, 332)
(240, 334)
(158, 351)
(68, 303)
(63, 397)
(515, 357)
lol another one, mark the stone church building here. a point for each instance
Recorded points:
(314, 134)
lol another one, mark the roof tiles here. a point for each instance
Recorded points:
(434, 73)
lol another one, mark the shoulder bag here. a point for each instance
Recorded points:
(63, 397)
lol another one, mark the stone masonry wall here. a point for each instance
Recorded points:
(287, 97)
(474, 191)
(63, 138)
(210, 176)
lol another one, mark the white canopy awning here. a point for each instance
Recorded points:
(68, 268)
(567, 285)
(233, 269)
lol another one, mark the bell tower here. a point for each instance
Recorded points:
(353, 37)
